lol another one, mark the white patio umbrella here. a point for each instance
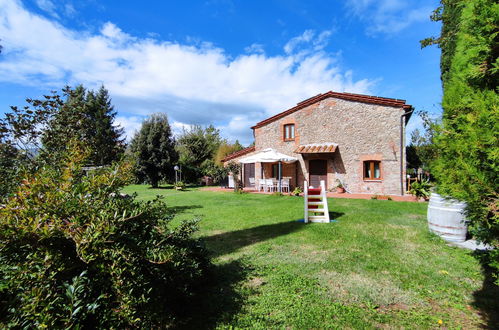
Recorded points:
(269, 155)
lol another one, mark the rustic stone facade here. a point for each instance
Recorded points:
(363, 132)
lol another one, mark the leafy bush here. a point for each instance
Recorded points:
(74, 252)
(297, 191)
(179, 185)
(421, 189)
(467, 161)
(235, 169)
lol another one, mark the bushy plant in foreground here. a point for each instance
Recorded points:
(76, 253)
(467, 158)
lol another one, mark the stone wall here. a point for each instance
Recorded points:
(362, 132)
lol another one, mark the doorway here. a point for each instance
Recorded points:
(249, 172)
(317, 172)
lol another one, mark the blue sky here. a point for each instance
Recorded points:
(230, 63)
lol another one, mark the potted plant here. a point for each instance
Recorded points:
(179, 185)
(421, 190)
(339, 188)
(297, 191)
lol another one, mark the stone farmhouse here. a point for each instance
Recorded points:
(358, 140)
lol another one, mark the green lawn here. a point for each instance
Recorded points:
(377, 266)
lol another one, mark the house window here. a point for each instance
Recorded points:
(289, 132)
(372, 170)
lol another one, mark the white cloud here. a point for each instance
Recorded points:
(255, 48)
(390, 16)
(48, 7)
(130, 124)
(193, 84)
(69, 9)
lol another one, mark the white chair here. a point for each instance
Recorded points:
(231, 181)
(285, 184)
(270, 185)
(252, 182)
(261, 185)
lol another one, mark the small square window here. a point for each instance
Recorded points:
(372, 170)
(289, 132)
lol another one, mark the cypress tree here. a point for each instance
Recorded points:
(468, 149)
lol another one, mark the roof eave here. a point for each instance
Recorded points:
(396, 103)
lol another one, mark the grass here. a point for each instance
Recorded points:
(377, 266)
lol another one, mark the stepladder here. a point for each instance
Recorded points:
(316, 208)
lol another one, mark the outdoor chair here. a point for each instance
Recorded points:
(270, 185)
(252, 182)
(285, 184)
(261, 185)
(231, 181)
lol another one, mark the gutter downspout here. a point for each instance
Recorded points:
(402, 153)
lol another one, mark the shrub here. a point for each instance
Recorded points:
(74, 252)
(421, 189)
(179, 185)
(467, 160)
(297, 191)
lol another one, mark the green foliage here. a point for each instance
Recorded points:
(88, 117)
(235, 169)
(226, 149)
(9, 166)
(179, 185)
(154, 150)
(468, 150)
(39, 132)
(107, 142)
(197, 147)
(20, 134)
(449, 14)
(422, 150)
(74, 252)
(218, 173)
(297, 191)
(421, 189)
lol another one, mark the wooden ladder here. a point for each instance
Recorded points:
(316, 203)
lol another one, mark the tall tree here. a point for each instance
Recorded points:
(69, 122)
(468, 149)
(21, 131)
(226, 149)
(108, 144)
(154, 149)
(88, 117)
(197, 147)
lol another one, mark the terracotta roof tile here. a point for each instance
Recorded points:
(238, 153)
(316, 148)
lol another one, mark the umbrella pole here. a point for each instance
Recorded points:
(280, 175)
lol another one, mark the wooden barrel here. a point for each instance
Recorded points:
(446, 218)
